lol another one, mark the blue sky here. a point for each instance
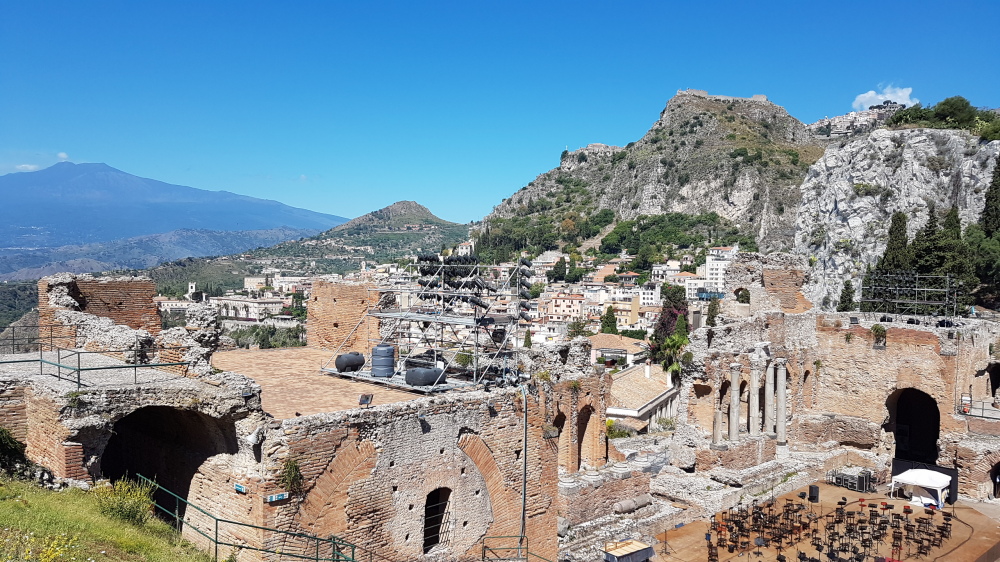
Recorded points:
(348, 107)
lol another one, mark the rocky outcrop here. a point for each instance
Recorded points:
(851, 192)
(742, 158)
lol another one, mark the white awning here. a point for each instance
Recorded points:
(925, 486)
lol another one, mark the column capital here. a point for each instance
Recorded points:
(736, 367)
(779, 361)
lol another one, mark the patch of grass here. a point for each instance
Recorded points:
(68, 524)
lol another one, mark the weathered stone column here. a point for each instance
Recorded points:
(735, 370)
(782, 400)
(717, 428)
(769, 398)
(754, 399)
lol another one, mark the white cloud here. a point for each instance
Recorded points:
(26, 167)
(62, 156)
(890, 92)
(303, 177)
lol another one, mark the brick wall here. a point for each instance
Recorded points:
(46, 438)
(335, 310)
(585, 502)
(368, 474)
(13, 414)
(125, 300)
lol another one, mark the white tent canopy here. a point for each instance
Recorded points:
(923, 486)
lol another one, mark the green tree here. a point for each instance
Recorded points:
(846, 303)
(558, 272)
(527, 338)
(989, 220)
(713, 311)
(681, 326)
(955, 111)
(536, 290)
(674, 296)
(897, 254)
(609, 324)
(577, 328)
(644, 259)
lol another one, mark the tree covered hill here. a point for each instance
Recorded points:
(389, 233)
(743, 159)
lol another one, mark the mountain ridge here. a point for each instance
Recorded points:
(68, 203)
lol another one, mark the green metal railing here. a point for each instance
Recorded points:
(219, 533)
(509, 549)
(64, 360)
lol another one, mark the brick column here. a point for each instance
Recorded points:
(754, 399)
(782, 400)
(769, 399)
(735, 370)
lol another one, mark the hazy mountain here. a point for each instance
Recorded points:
(140, 252)
(85, 203)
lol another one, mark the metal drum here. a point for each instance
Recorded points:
(422, 376)
(383, 360)
(349, 362)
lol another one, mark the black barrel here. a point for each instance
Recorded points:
(423, 376)
(348, 362)
(383, 360)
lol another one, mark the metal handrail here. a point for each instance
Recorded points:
(517, 552)
(338, 548)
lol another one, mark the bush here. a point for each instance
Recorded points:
(127, 500)
(291, 476)
(616, 430)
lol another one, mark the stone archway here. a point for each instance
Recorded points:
(915, 421)
(167, 445)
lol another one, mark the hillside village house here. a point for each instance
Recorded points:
(627, 351)
(246, 308)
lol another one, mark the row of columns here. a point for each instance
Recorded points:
(775, 415)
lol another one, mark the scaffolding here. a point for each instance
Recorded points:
(909, 293)
(459, 317)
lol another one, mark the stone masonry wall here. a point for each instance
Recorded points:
(126, 301)
(368, 473)
(13, 410)
(335, 310)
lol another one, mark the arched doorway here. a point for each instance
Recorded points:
(436, 518)
(915, 421)
(565, 442)
(587, 436)
(167, 445)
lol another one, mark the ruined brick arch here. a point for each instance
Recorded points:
(987, 470)
(166, 444)
(914, 419)
(565, 454)
(324, 509)
(502, 499)
(589, 437)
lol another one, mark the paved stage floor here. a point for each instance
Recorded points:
(291, 381)
(973, 533)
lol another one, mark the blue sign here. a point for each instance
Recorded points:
(240, 488)
(277, 497)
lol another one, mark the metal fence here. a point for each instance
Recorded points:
(219, 532)
(976, 408)
(509, 549)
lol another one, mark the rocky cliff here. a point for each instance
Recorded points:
(849, 195)
(743, 158)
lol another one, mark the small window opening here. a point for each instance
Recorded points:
(436, 518)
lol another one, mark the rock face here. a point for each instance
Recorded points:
(850, 194)
(742, 158)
